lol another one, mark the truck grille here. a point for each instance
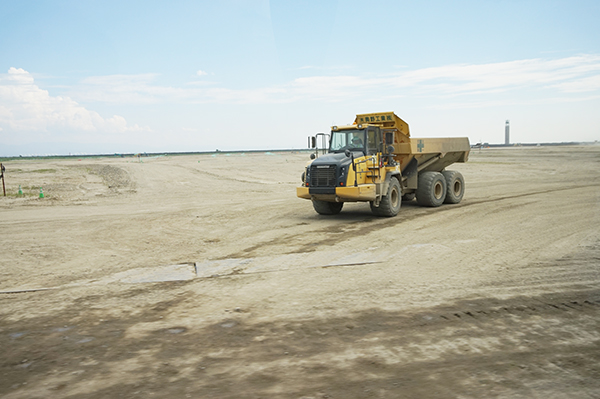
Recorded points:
(322, 176)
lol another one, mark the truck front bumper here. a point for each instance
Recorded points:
(363, 192)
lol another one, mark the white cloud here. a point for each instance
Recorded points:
(588, 84)
(201, 73)
(566, 76)
(26, 107)
(126, 89)
(465, 79)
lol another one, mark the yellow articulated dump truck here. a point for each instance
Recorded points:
(376, 160)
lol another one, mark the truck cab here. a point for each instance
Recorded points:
(355, 168)
(366, 140)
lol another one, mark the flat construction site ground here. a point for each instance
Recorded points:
(203, 276)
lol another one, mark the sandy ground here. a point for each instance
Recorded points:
(498, 296)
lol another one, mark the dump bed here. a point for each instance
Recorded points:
(431, 154)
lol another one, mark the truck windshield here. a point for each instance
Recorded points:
(347, 139)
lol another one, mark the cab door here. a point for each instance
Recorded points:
(374, 147)
(373, 141)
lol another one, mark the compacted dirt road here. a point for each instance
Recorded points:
(203, 276)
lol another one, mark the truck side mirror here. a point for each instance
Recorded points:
(312, 142)
(313, 156)
(390, 149)
(347, 153)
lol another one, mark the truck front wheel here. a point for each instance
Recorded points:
(431, 190)
(455, 184)
(327, 208)
(390, 204)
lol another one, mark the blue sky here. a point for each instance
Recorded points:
(150, 76)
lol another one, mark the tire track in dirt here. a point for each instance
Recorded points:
(471, 348)
(220, 177)
(355, 225)
(578, 270)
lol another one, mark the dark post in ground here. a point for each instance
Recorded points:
(2, 169)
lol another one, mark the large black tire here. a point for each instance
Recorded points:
(455, 186)
(431, 189)
(390, 204)
(327, 208)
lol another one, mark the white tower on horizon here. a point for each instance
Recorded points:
(507, 133)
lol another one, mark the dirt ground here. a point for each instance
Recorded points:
(203, 276)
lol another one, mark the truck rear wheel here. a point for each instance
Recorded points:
(431, 189)
(390, 204)
(327, 208)
(455, 184)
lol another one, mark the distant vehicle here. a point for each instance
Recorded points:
(375, 160)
